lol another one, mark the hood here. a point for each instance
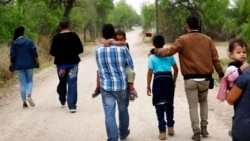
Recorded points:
(19, 41)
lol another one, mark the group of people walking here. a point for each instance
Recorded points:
(197, 55)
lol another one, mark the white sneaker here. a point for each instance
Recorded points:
(31, 102)
(72, 110)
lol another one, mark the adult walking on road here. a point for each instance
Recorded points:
(111, 62)
(198, 56)
(66, 47)
(239, 96)
(24, 58)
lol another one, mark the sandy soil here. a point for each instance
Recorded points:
(47, 121)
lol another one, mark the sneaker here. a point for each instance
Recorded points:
(125, 136)
(196, 137)
(132, 95)
(31, 102)
(162, 136)
(25, 105)
(96, 93)
(72, 110)
(204, 131)
(170, 131)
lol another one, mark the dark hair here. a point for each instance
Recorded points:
(19, 31)
(120, 32)
(64, 24)
(233, 43)
(158, 41)
(193, 22)
(108, 31)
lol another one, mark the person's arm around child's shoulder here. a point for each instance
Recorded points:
(113, 42)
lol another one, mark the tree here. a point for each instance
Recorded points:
(148, 16)
(124, 16)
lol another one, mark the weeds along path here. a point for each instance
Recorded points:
(48, 121)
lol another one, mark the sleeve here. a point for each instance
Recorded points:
(173, 60)
(129, 59)
(78, 43)
(150, 62)
(243, 80)
(33, 48)
(174, 48)
(12, 54)
(215, 60)
(96, 59)
(53, 46)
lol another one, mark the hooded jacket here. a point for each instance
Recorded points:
(23, 53)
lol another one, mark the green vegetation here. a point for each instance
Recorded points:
(219, 19)
(41, 17)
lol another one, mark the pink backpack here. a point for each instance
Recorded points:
(222, 93)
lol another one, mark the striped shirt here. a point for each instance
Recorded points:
(111, 62)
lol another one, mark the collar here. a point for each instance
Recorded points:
(194, 30)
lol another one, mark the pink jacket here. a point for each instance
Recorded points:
(227, 82)
(231, 75)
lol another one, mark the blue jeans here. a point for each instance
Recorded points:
(68, 76)
(160, 112)
(26, 82)
(109, 100)
(234, 139)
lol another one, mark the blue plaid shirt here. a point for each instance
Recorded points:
(111, 62)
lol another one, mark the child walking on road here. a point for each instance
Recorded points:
(163, 87)
(120, 38)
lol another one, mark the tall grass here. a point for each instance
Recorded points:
(5, 74)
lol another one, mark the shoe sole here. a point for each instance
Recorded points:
(31, 102)
(72, 110)
(171, 134)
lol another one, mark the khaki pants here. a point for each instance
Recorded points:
(131, 74)
(196, 92)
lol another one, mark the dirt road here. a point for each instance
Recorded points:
(47, 121)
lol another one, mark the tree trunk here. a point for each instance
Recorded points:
(156, 17)
(68, 7)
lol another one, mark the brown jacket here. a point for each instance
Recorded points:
(197, 55)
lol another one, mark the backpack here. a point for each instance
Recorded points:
(222, 93)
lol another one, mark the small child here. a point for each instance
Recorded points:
(120, 38)
(163, 87)
(238, 53)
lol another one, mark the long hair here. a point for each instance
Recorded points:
(19, 31)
